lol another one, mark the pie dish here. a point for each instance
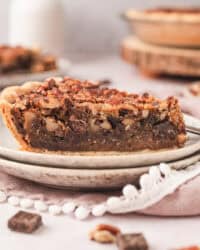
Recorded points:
(166, 26)
(19, 59)
(64, 114)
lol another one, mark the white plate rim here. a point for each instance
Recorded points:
(79, 178)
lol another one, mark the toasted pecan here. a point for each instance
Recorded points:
(104, 233)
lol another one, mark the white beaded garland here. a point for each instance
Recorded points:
(99, 210)
(146, 181)
(26, 203)
(154, 172)
(130, 191)
(3, 196)
(68, 207)
(13, 200)
(151, 184)
(40, 206)
(165, 169)
(54, 210)
(113, 202)
(82, 213)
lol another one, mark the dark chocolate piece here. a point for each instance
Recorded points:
(25, 222)
(132, 242)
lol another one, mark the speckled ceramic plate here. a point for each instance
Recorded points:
(19, 78)
(9, 149)
(82, 179)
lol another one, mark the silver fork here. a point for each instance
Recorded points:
(192, 124)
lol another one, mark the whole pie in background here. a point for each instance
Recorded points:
(168, 26)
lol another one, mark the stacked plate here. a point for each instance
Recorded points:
(91, 170)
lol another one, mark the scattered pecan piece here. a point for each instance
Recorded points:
(103, 237)
(194, 88)
(104, 233)
(190, 248)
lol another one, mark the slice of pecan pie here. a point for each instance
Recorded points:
(70, 115)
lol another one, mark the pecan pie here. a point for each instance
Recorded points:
(63, 114)
(21, 59)
(169, 26)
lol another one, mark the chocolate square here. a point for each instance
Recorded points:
(25, 222)
(132, 242)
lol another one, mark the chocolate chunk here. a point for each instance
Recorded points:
(114, 121)
(25, 222)
(132, 242)
(123, 112)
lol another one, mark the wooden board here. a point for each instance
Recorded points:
(160, 60)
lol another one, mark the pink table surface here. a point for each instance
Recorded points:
(63, 232)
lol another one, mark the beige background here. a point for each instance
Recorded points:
(93, 25)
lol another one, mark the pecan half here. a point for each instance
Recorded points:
(104, 233)
(190, 248)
